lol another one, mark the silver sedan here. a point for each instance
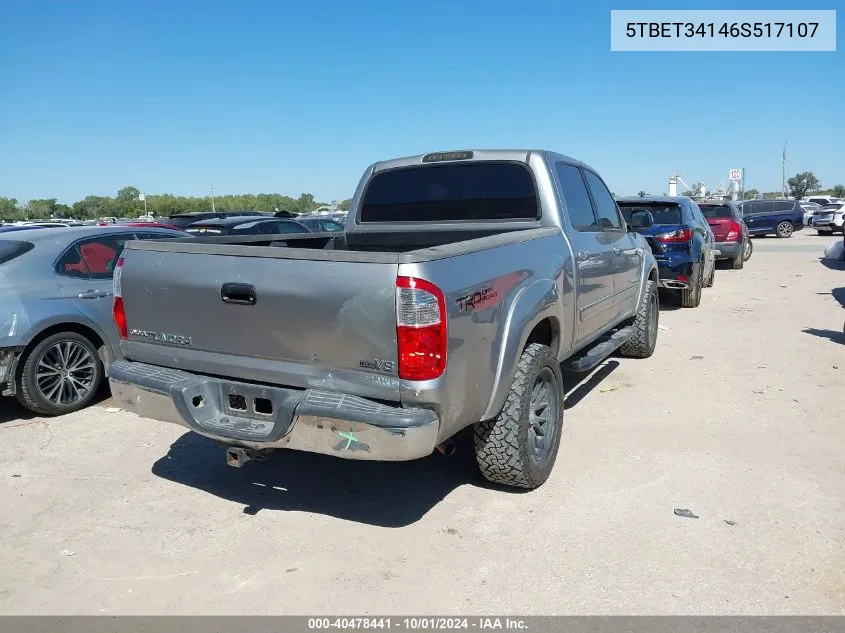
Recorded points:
(57, 337)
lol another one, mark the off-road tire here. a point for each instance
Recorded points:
(644, 340)
(691, 298)
(28, 393)
(502, 444)
(784, 229)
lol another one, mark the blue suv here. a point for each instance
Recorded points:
(767, 217)
(682, 243)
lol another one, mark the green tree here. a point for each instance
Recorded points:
(42, 209)
(9, 209)
(128, 194)
(802, 183)
(838, 191)
(750, 194)
(642, 194)
(93, 207)
(345, 204)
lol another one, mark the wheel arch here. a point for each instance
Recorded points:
(89, 332)
(531, 319)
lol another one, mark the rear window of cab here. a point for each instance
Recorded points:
(472, 191)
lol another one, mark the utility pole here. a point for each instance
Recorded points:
(211, 189)
(783, 171)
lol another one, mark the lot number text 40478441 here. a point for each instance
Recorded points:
(417, 623)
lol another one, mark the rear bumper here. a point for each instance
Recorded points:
(674, 277)
(8, 361)
(728, 250)
(828, 226)
(309, 420)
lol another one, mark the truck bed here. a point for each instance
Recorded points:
(322, 310)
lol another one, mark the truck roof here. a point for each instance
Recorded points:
(663, 199)
(453, 156)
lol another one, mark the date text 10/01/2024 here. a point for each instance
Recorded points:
(417, 623)
(712, 29)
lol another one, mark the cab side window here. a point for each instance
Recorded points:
(606, 209)
(577, 200)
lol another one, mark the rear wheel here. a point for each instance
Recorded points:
(691, 297)
(747, 250)
(519, 447)
(711, 278)
(60, 375)
(784, 229)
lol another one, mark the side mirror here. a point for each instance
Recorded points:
(641, 220)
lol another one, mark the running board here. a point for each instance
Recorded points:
(596, 354)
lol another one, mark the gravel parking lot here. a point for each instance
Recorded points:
(738, 417)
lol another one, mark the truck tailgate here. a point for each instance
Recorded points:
(312, 323)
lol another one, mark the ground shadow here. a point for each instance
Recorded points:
(833, 264)
(578, 386)
(839, 295)
(384, 494)
(12, 411)
(670, 300)
(831, 335)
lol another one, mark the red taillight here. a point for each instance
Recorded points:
(684, 235)
(118, 313)
(733, 232)
(119, 317)
(421, 331)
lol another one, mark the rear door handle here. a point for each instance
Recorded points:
(237, 293)
(93, 294)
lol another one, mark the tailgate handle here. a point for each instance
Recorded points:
(241, 294)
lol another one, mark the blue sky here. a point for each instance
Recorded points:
(294, 97)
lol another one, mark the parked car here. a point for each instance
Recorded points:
(682, 243)
(8, 228)
(822, 200)
(255, 225)
(157, 225)
(57, 336)
(732, 239)
(321, 224)
(778, 217)
(809, 209)
(47, 224)
(464, 281)
(830, 219)
(183, 220)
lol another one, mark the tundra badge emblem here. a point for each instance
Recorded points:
(161, 337)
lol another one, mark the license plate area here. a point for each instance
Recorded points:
(247, 401)
(238, 410)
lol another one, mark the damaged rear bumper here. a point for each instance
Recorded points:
(8, 362)
(262, 417)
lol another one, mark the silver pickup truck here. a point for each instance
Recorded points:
(462, 282)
